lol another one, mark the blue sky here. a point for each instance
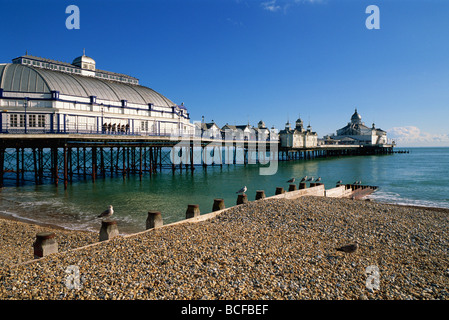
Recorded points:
(234, 61)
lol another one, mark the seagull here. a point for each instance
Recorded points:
(304, 179)
(291, 180)
(350, 248)
(310, 179)
(318, 180)
(339, 182)
(107, 213)
(243, 190)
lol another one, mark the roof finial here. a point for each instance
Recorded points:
(84, 51)
(26, 52)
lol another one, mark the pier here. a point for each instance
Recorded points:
(64, 158)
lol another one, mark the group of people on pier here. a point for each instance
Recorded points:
(115, 128)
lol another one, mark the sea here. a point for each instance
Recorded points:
(418, 177)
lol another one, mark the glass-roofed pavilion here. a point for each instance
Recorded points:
(39, 95)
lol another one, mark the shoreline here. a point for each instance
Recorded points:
(58, 227)
(272, 249)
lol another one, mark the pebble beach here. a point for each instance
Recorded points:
(272, 249)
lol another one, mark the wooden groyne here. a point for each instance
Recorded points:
(110, 230)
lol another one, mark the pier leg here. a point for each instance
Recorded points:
(2, 164)
(94, 164)
(65, 168)
(35, 166)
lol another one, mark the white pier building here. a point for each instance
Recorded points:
(39, 95)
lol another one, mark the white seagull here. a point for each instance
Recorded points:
(304, 179)
(291, 180)
(243, 190)
(318, 180)
(107, 213)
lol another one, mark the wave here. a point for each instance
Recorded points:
(396, 198)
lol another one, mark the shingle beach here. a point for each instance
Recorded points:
(267, 249)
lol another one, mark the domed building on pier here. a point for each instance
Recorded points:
(356, 132)
(39, 95)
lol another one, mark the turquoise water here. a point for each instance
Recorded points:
(419, 177)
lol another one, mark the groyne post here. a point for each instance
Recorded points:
(292, 187)
(218, 205)
(108, 230)
(193, 210)
(260, 194)
(279, 190)
(45, 244)
(242, 199)
(154, 220)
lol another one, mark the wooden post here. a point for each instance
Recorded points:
(108, 230)
(242, 199)
(218, 205)
(260, 194)
(292, 187)
(279, 190)
(302, 185)
(154, 220)
(193, 210)
(45, 244)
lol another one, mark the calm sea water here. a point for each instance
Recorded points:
(419, 177)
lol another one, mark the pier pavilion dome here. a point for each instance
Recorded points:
(356, 118)
(27, 79)
(54, 96)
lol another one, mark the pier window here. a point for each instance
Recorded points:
(144, 125)
(32, 120)
(41, 120)
(17, 120)
(13, 120)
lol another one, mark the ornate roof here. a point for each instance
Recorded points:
(26, 79)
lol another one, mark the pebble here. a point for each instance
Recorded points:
(271, 249)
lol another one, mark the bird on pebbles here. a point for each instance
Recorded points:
(350, 248)
(107, 213)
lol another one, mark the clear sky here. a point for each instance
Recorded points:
(237, 61)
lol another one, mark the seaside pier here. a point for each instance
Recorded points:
(64, 158)
(62, 122)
